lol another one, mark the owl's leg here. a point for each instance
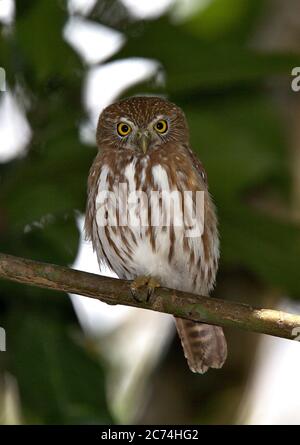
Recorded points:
(141, 282)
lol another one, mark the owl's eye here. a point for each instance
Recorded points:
(161, 126)
(123, 129)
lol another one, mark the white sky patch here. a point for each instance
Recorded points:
(93, 42)
(83, 7)
(96, 318)
(105, 83)
(15, 131)
(273, 394)
(7, 11)
(147, 8)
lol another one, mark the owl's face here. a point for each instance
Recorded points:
(141, 124)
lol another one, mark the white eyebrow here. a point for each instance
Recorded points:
(158, 117)
(127, 120)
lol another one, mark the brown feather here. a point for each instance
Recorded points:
(204, 345)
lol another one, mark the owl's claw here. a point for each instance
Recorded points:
(153, 284)
(141, 282)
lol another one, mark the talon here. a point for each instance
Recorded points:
(153, 283)
(150, 292)
(136, 295)
(141, 282)
(138, 283)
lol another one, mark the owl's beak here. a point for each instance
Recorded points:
(143, 140)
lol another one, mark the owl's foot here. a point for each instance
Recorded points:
(148, 283)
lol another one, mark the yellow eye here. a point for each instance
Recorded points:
(161, 126)
(123, 129)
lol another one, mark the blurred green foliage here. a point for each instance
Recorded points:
(221, 83)
(59, 381)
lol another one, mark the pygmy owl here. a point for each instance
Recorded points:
(144, 146)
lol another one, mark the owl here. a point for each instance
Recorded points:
(144, 158)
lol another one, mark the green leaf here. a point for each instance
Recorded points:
(241, 143)
(55, 181)
(265, 246)
(192, 64)
(38, 36)
(219, 19)
(240, 140)
(59, 382)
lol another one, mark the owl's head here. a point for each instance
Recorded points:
(141, 124)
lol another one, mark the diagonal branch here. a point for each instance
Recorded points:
(180, 304)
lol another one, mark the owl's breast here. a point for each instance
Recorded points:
(147, 223)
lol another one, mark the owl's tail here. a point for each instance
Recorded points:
(204, 345)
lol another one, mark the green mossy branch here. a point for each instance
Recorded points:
(180, 304)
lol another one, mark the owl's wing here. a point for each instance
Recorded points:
(90, 225)
(198, 166)
(210, 236)
(92, 189)
(204, 345)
